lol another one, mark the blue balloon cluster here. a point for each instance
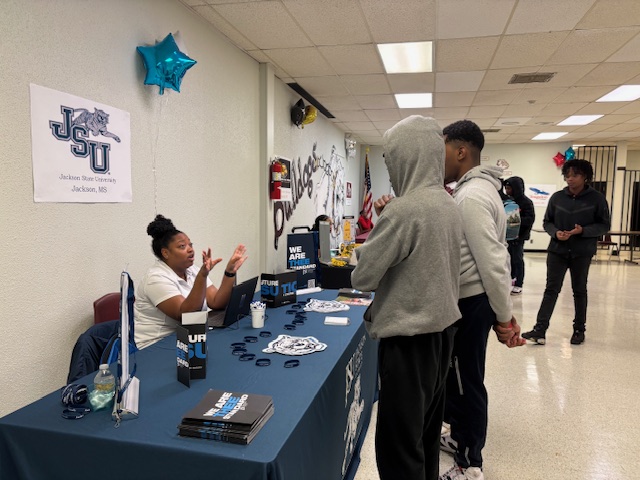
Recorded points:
(165, 64)
(569, 154)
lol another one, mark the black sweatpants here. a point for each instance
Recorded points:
(413, 373)
(466, 395)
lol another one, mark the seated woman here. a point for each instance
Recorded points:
(321, 218)
(173, 286)
(364, 224)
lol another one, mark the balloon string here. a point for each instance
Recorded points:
(154, 149)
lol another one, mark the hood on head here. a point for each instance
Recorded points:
(414, 154)
(517, 186)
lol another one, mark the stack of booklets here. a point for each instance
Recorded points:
(227, 416)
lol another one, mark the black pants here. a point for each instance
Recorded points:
(557, 266)
(516, 252)
(466, 396)
(413, 372)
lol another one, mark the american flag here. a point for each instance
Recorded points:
(367, 202)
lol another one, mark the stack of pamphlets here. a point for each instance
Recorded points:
(227, 416)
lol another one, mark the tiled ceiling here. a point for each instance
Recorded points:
(328, 47)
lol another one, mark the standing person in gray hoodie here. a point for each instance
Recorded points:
(411, 260)
(485, 302)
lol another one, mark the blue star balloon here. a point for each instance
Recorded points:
(165, 64)
(570, 154)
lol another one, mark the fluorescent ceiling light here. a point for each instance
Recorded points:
(625, 93)
(411, 57)
(580, 119)
(414, 100)
(578, 145)
(549, 135)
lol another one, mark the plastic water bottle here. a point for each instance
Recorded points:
(104, 388)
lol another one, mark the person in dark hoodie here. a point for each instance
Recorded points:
(412, 262)
(576, 216)
(514, 187)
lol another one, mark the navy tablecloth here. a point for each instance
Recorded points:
(322, 408)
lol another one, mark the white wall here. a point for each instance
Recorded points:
(203, 143)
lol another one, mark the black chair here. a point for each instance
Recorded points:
(607, 244)
(92, 348)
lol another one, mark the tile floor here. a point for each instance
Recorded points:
(561, 411)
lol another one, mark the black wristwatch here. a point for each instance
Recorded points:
(227, 274)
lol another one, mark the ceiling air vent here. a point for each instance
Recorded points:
(490, 130)
(532, 77)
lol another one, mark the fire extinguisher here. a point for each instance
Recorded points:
(276, 180)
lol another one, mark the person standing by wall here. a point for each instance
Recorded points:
(415, 240)
(484, 296)
(514, 187)
(576, 216)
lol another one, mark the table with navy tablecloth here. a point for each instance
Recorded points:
(322, 411)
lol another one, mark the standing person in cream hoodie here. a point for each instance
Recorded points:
(411, 259)
(485, 302)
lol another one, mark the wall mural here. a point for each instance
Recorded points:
(328, 194)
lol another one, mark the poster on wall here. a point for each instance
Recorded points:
(540, 194)
(81, 149)
(349, 193)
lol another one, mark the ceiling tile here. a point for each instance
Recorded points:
(300, 62)
(630, 107)
(547, 15)
(366, 84)
(592, 46)
(523, 110)
(566, 75)
(350, 115)
(376, 102)
(317, 86)
(495, 97)
(499, 79)
(628, 53)
(225, 28)
(611, 13)
(565, 109)
(457, 99)
(386, 114)
(266, 24)
(360, 126)
(601, 108)
(458, 81)
(492, 111)
(611, 74)
(386, 125)
(537, 95)
(425, 112)
(614, 119)
(330, 22)
(635, 120)
(527, 50)
(459, 19)
(463, 54)
(406, 21)
(353, 59)
(452, 112)
(338, 102)
(582, 94)
(412, 82)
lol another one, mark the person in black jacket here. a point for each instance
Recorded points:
(576, 216)
(514, 187)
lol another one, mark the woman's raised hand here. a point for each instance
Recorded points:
(237, 259)
(207, 262)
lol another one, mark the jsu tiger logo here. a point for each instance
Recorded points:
(77, 131)
(288, 345)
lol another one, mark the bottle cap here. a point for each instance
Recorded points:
(104, 366)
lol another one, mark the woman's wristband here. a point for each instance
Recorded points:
(228, 274)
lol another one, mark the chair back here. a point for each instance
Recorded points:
(106, 308)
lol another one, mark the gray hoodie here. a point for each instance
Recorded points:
(485, 259)
(411, 258)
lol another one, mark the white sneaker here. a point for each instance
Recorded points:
(448, 444)
(459, 473)
(516, 290)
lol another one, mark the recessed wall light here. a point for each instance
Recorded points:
(580, 119)
(549, 135)
(408, 57)
(414, 100)
(624, 93)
